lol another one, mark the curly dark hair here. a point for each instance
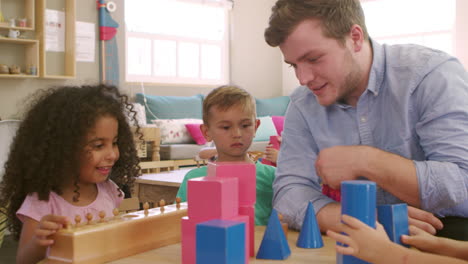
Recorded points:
(51, 138)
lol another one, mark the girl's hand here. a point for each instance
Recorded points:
(363, 241)
(48, 225)
(421, 239)
(271, 153)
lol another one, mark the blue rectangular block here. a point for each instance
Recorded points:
(394, 218)
(221, 242)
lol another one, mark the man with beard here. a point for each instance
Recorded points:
(393, 114)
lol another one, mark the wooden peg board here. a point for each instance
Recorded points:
(119, 237)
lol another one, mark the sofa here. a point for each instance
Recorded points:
(179, 119)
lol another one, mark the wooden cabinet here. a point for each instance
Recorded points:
(23, 51)
(25, 55)
(18, 9)
(57, 65)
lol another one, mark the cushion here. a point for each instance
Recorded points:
(272, 106)
(195, 131)
(171, 107)
(278, 121)
(265, 130)
(173, 131)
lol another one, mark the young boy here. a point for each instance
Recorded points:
(229, 120)
(373, 245)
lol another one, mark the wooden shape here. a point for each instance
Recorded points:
(221, 241)
(212, 198)
(128, 235)
(394, 218)
(274, 244)
(274, 142)
(244, 172)
(310, 236)
(250, 212)
(358, 199)
(284, 225)
(189, 238)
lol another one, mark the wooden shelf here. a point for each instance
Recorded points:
(18, 9)
(17, 76)
(29, 55)
(17, 28)
(18, 41)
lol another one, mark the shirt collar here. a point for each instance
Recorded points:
(377, 72)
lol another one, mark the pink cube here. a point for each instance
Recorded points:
(244, 172)
(212, 198)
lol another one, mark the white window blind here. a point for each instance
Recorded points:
(177, 41)
(426, 22)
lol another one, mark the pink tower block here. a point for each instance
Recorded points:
(250, 212)
(275, 142)
(243, 171)
(212, 198)
(189, 239)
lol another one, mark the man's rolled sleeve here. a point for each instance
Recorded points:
(436, 192)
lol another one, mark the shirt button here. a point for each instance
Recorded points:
(363, 119)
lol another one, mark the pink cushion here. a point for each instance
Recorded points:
(279, 123)
(195, 132)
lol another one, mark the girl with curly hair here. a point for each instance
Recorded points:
(72, 155)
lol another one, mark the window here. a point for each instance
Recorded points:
(426, 22)
(177, 41)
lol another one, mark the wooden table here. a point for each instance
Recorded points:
(172, 254)
(157, 186)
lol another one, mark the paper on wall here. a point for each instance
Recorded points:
(85, 41)
(54, 30)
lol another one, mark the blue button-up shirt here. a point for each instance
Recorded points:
(415, 105)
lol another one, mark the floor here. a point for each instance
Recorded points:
(8, 250)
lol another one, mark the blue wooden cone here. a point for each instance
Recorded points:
(274, 244)
(310, 236)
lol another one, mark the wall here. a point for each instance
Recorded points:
(461, 47)
(254, 65)
(13, 92)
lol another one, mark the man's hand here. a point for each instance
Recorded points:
(424, 220)
(339, 163)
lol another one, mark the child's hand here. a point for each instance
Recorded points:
(363, 241)
(271, 153)
(48, 225)
(421, 239)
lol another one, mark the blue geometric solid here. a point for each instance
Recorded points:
(310, 236)
(274, 244)
(220, 241)
(394, 218)
(358, 199)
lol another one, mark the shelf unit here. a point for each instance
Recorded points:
(30, 51)
(64, 62)
(12, 7)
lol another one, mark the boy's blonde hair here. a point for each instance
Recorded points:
(336, 16)
(225, 97)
